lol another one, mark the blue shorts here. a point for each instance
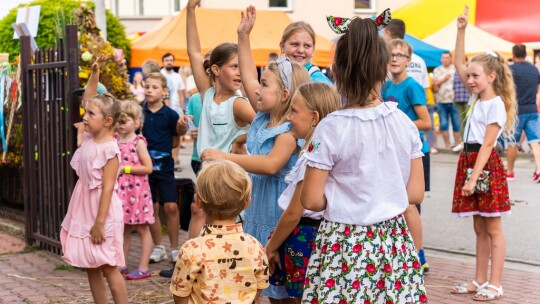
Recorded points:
(527, 122)
(447, 111)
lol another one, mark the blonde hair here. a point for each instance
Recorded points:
(159, 77)
(321, 98)
(131, 109)
(109, 107)
(401, 43)
(224, 188)
(299, 76)
(295, 27)
(503, 85)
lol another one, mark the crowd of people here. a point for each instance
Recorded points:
(308, 190)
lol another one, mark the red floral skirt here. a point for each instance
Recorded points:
(495, 202)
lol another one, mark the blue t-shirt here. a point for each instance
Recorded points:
(317, 75)
(526, 79)
(159, 128)
(195, 109)
(407, 94)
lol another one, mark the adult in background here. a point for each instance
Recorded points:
(527, 80)
(443, 86)
(461, 102)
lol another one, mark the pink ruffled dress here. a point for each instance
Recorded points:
(134, 190)
(79, 251)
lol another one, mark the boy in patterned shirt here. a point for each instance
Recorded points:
(223, 264)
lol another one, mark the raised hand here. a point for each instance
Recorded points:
(247, 20)
(102, 58)
(193, 3)
(463, 19)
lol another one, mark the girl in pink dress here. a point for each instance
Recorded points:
(133, 188)
(92, 231)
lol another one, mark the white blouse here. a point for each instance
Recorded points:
(368, 153)
(293, 178)
(482, 114)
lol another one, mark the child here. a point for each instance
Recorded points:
(224, 264)
(411, 99)
(225, 114)
(297, 228)
(162, 124)
(298, 43)
(273, 150)
(92, 230)
(363, 179)
(133, 188)
(493, 111)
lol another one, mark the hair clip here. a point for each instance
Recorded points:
(338, 24)
(492, 53)
(383, 19)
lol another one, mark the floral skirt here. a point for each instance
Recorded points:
(364, 264)
(294, 255)
(495, 202)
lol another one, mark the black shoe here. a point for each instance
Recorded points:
(167, 273)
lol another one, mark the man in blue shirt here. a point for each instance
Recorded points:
(527, 80)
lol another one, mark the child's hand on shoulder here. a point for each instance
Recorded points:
(102, 58)
(212, 154)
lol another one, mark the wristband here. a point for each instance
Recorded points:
(127, 169)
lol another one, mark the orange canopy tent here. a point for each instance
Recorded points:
(217, 26)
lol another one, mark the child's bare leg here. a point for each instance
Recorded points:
(482, 249)
(198, 219)
(155, 228)
(173, 223)
(146, 246)
(116, 284)
(97, 285)
(498, 249)
(414, 223)
(127, 241)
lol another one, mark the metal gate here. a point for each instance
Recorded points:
(49, 138)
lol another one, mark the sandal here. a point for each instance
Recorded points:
(123, 270)
(485, 295)
(138, 274)
(462, 288)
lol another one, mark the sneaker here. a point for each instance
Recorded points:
(425, 268)
(158, 254)
(511, 176)
(434, 151)
(138, 274)
(167, 273)
(536, 177)
(457, 147)
(174, 255)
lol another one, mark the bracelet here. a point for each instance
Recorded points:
(127, 169)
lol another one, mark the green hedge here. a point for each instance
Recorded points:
(50, 15)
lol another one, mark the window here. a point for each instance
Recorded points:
(364, 6)
(176, 7)
(139, 9)
(280, 4)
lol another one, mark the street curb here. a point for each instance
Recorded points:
(12, 227)
(472, 254)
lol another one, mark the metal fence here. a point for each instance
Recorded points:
(49, 138)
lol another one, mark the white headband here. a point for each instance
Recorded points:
(492, 53)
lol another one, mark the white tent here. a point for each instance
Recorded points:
(476, 40)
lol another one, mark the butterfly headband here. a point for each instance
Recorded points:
(341, 25)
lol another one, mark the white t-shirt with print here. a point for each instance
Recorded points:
(418, 71)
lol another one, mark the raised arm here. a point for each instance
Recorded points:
(93, 80)
(459, 60)
(194, 49)
(248, 69)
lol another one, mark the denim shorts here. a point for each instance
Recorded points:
(527, 122)
(446, 112)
